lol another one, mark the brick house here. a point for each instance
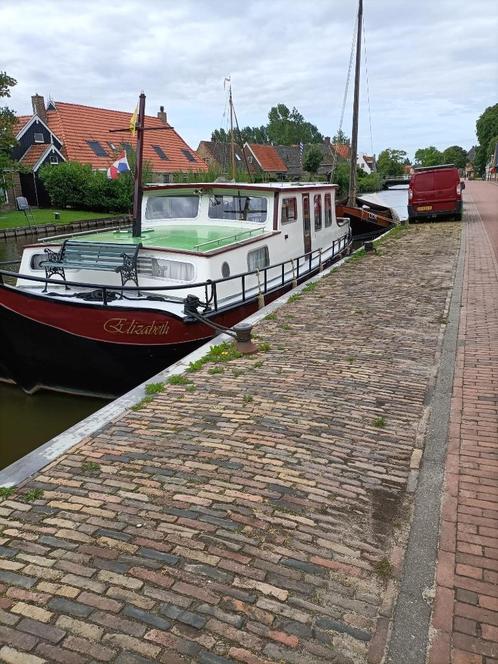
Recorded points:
(59, 131)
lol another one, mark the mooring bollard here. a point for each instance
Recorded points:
(243, 340)
(369, 246)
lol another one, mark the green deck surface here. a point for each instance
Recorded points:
(190, 238)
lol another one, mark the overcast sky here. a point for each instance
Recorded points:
(431, 65)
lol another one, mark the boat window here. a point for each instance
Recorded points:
(258, 259)
(172, 207)
(306, 212)
(328, 210)
(242, 208)
(166, 268)
(317, 205)
(289, 210)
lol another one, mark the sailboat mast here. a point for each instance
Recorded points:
(137, 197)
(232, 138)
(356, 107)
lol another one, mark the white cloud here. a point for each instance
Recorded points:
(431, 66)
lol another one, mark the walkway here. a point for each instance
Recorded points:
(465, 618)
(257, 514)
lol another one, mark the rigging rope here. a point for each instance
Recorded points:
(368, 89)
(345, 98)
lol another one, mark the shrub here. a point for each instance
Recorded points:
(75, 185)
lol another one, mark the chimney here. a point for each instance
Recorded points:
(162, 115)
(326, 140)
(38, 103)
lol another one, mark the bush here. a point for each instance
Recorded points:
(75, 185)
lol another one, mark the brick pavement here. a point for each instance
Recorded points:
(256, 515)
(465, 617)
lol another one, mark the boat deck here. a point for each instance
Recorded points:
(200, 238)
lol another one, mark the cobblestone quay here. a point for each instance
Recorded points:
(256, 514)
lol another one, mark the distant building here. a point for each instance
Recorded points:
(492, 165)
(60, 131)
(367, 163)
(218, 156)
(469, 171)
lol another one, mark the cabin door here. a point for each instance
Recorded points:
(306, 223)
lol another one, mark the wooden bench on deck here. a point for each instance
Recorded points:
(106, 256)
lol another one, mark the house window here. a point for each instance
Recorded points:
(289, 210)
(160, 152)
(38, 137)
(317, 206)
(54, 159)
(97, 148)
(328, 210)
(189, 155)
(258, 259)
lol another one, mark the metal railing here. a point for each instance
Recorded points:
(293, 269)
(234, 237)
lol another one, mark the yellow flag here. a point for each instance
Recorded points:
(133, 121)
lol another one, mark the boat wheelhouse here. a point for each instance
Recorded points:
(100, 312)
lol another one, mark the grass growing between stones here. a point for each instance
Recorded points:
(224, 352)
(379, 422)
(179, 379)
(141, 404)
(32, 495)
(383, 569)
(6, 492)
(90, 468)
(154, 388)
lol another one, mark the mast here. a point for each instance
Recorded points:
(356, 105)
(138, 191)
(232, 141)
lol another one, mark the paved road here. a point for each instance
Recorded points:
(485, 197)
(465, 618)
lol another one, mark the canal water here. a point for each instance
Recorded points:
(26, 422)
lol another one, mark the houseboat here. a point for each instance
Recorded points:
(100, 312)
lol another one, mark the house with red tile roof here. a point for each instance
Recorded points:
(265, 159)
(60, 131)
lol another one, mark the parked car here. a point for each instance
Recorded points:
(435, 192)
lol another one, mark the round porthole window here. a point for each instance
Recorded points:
(225, 270)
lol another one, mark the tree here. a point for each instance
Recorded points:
(486, 128)
(284, 127)
(391, 162)
(290, 128)
(312, 159)
(7, 123)
(428, 156)
(340, 138)
(455, 155)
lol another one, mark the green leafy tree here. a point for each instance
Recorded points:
(455, 155)
(7, 130)
(428, 157)
(312, 159)
(372, 182)
(340, 138)
(391, 162)
(287, 127)
(486, 128)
